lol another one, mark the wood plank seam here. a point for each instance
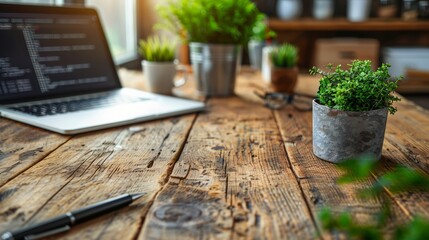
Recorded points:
(298, 179)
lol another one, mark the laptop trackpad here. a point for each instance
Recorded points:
(105, 116)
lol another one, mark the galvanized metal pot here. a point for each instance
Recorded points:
(341, 135)
(255, 53)
(215, 67)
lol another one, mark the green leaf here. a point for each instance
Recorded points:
(417, 229)
(285, 56)
(156, 49)
(208, 21)
(400, 179)
(357, 169)
(357, 88)
(344, 223)
(327, 219)
(405, 179)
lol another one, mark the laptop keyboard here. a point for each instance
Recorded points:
(76, 105)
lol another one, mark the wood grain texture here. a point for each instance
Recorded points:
(407, 131)
(318, 178)
(407, 144)
(22, 146)
(93, 167)
(238, 170)
(232, 180)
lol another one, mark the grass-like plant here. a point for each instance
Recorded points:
(358, 88)
(285, 56)
(157, 49)
(208, 21)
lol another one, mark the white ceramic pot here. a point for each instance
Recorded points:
(358, 10)
(159, 76)
(267, 64)
(323, 9)
(255, 53)
(289, 9)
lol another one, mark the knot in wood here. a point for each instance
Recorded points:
(178, 213)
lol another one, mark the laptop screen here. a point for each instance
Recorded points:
(50, 52)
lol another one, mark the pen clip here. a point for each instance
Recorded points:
(48, 233)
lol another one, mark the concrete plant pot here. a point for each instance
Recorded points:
(341, 135)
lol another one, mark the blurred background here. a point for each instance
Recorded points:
(394, 31)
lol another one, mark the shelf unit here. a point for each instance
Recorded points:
(393, 32)
(342, 24)
(304, 32)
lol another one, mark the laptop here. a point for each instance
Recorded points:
(57, 73)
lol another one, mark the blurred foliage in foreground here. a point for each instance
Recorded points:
(399, 180)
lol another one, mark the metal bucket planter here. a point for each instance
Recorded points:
(255, 53)
(215, 67)
(341, 135)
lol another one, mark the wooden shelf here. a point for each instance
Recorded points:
(342, 24)
(304, 33)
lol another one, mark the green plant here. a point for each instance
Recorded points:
(358, 88)
(208, 21)
(261, 32)
(400, 179)
(156, 49)
(285, 56)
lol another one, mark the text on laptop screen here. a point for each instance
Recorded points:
(45, 55)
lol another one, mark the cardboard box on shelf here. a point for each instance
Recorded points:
(344, 50)
(402, 59)
(412, 63)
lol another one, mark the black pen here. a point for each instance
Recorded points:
(66, 221)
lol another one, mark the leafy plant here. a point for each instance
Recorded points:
(400, 179)
(358, 88)
(261, 32)
(208, 21)
(285, 56)
(156, 49)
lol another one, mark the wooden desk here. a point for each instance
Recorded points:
(239, 170)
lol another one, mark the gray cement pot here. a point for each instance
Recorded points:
(341, 135)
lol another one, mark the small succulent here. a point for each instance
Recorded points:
(157, 49)
(285, 56)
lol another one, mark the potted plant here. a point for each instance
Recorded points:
(358, 10)
(216, 31)
(262, 36)
(284, 72)
(158, 65)
(350, 110)
(289, 9)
